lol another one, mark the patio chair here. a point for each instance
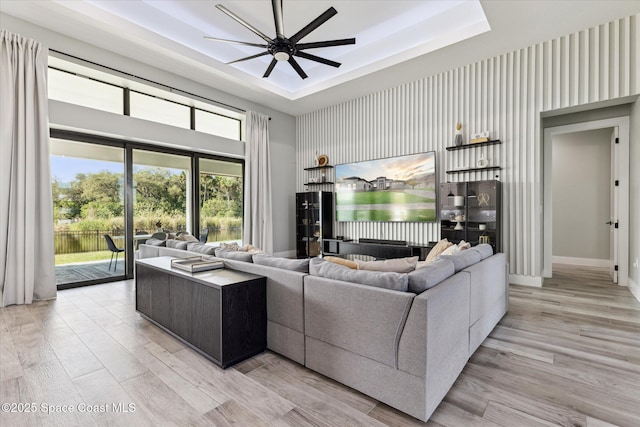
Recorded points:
(204, 235)
(140, 241)
(159, 236)
(114, 250)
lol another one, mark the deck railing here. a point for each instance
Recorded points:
(72, 242)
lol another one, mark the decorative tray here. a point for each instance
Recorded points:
(196, 264)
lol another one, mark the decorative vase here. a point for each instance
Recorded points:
(458, 138)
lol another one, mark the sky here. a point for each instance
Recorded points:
(401, 167)
(65, 169)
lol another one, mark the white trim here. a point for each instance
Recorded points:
(634, 288)
(590, 262)
(622, 173)
(518, 279)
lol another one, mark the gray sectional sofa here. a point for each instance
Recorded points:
(402, 339)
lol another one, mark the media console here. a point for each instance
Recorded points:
(380, 249)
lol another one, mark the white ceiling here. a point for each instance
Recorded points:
(396, 41)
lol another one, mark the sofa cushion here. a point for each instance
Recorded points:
(201, 248)
(484, 249)
(155, 242)
(427, 277)
(237, 255)
(176, 244)
(463, 259)
(395, 265)
(387, 280)
(301, 265)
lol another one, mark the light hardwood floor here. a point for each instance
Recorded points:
(565, 354)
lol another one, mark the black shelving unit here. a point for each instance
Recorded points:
(314, 222)
(465, 207)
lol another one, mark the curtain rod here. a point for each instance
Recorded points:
(171, 89)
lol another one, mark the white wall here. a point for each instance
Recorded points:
(581, 176)
(281, 133)
(634, 201)
(506, 95)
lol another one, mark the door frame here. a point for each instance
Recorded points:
(621, 173)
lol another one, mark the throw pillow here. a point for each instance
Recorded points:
(451, 250)
(427, 277)
(155, 242)
(347, 263)
(176, 244)
(396, 265)
(437, 250)
(301, 265)
(330, 270)
(464, 245)
(230, 246)
(187, 238)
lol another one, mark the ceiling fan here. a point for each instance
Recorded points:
(283, 48)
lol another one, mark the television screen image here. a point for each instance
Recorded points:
(396, 189)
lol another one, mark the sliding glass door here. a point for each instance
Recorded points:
(110, 196)
(220, 200)
(161, 193)
(88, 205)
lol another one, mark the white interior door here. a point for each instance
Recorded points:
(613, 220)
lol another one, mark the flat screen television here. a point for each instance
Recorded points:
(396, 189)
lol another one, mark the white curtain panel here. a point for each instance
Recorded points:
(258, 224)
(26, 212)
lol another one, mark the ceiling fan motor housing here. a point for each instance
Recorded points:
(282, 50)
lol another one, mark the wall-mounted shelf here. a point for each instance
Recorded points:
(477, 144)
(313, 168)
(489, 168)
(318, 183)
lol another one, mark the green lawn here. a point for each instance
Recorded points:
(380, 198)
(83, 257)
(410, 215)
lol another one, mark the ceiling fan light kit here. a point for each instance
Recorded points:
(281, 47)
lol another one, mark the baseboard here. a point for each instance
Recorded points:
(518, 279)
(589, 262)
(634, 288)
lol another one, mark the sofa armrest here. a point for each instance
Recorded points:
(437, 322)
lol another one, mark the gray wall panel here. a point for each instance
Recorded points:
(504, 95)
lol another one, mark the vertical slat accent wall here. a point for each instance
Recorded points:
(504, 95)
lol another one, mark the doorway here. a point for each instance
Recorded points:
(586, 196)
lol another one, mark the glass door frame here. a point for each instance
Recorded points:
(128, 147)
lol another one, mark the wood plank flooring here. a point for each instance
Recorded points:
(565, 354)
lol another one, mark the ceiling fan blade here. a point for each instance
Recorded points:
(318, 59)
(297, 67)
(341, 42)
(215, 39)
(313, 25)
(277, 16)
(249, 57)
(244, 23)
(274, 61)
